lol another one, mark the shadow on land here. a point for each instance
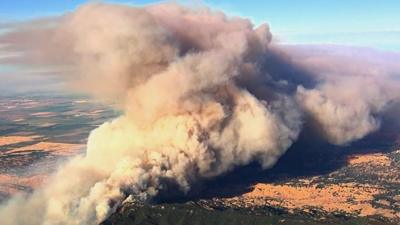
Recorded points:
(309, 156)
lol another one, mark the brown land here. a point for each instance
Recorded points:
(10, 185)
(9, 140)
(61, 149)
(375, 159)
(351, 197)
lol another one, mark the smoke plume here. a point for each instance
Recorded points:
(201, 94)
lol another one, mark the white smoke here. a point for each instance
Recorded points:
(197, 101)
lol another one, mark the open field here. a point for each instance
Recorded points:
(37, 133)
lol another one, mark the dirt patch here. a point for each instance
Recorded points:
(44, 114)
(9, 140)
(62, 149)
(10, 185)
(346, 197)
(372, 159)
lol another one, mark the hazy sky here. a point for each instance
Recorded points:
(372, 23)
(368, 23)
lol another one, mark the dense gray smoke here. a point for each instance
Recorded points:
(199, 95)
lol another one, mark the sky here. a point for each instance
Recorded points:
(370, 23)
(373, 24)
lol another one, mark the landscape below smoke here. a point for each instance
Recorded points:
(201, 94)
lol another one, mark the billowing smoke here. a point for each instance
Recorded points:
(352, 93)
(201, 93)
